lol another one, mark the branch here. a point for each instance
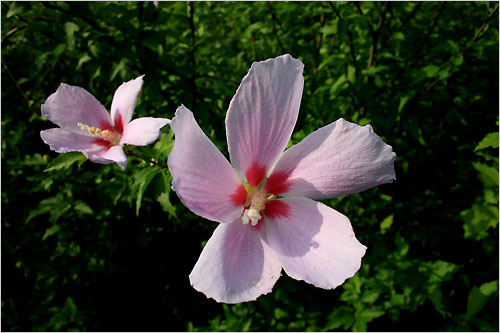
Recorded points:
(432, 24)
(214, 77)
(192, 79)
(469, 45)
(349, 34)
(15, 83)
(85, 19)
(275, 32)
(11, 32)
(375, 34)
(405, 21)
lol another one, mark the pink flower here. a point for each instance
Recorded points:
(264, 201)
(86, 126)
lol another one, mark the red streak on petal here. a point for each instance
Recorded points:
(106, 125)
(258, 225)
(239, 197)
(255, 174)
(102, 142)
(118, 122)
(277, 182)
(276, 208)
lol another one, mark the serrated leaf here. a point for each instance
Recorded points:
(478, 219)
(14, 9)
(478, 297)
(487, 174)
(430, 70)
(386, 224)
(490, 140)
(166, 205)
(51, 231)
(442, 271)
(64, 161)
(83, 208)
(141, 182)
(341, 316)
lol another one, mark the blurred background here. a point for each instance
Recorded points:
(94, 247)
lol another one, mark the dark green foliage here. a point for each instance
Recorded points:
(94, 247)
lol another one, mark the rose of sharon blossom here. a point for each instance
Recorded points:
(264, 199)
(86, 126)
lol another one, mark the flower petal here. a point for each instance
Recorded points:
(71, 105)
(124, 102)
(235, 265)
(202, 177)
(143, 131)
(109, 155)
(314, 243)
(63, 141)
(263, 112)
(337, 159)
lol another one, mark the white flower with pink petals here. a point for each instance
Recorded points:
(264, 199)
(86, 126)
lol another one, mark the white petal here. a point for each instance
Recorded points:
(314, 243)
(202, 177)
(338, 159)
(143, 131)
(235, 265)
(109, 155)
(71, 105)
(263, 112)
(63, 141)
(124, 102)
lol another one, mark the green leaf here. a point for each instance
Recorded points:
(83, 208)
(478, 297)
(14, 9)
(84, 58)
(141, 182)
(490, 140)
(442, 271)
(430, 70)
(386, 224)
(487, 174)
(51, 231)
(64, 161)
(341, 316)
(478, 219)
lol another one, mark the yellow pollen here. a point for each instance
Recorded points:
(108, 135)
(257, 204)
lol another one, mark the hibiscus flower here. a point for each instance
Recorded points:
(264, 199)
(86, 126)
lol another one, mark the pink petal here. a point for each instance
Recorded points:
(71, 105)
(338, 159)
(63, 141)
(202, 177)
(263, 112)
(124, 102)
(143, 131)
(109, 155)
(314, 243)
(235, 265)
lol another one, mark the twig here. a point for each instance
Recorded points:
(214, 77)
(403, 24)
(375, 35)
(469, 45)
(11, 32)
(192, 79)
(349, 34)
(432, 24)
(15, 83)
(85, 19)
(275, 32)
